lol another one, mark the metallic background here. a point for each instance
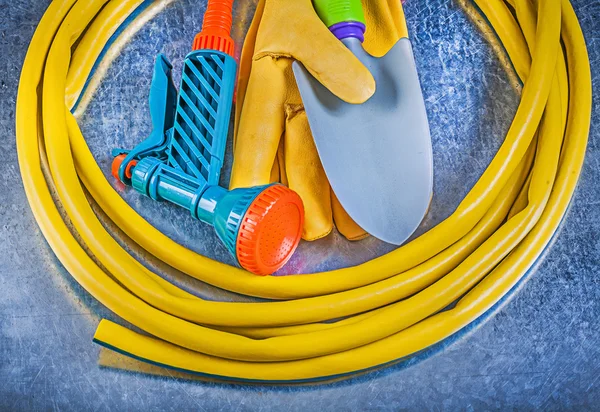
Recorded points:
(540, 350)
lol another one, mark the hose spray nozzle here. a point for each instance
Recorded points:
(181, 160)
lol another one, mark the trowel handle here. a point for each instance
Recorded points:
(345, 18)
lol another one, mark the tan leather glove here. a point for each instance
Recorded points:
(273, 142)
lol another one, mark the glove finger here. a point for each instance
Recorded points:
(323, 55)
(275, 171)
(278, 169)
(385, 25)
(396, 10)
(261, 124)
(344, 223)
(246, 65)
(306, 176)
(281, 162)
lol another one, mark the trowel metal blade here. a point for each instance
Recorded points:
(377, 155)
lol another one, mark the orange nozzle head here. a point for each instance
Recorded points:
(270, 230)
(216, 29)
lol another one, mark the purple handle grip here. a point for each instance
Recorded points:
(347, 29)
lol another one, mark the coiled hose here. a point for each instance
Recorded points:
(392, 306)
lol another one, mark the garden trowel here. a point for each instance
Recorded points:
(377, 155)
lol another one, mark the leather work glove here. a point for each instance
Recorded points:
(273, 142)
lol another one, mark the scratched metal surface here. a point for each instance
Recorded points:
(540, 350)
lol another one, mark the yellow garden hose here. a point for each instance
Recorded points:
(394, 304)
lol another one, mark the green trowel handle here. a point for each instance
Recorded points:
(334, 12)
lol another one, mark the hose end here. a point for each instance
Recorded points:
(216, 29)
